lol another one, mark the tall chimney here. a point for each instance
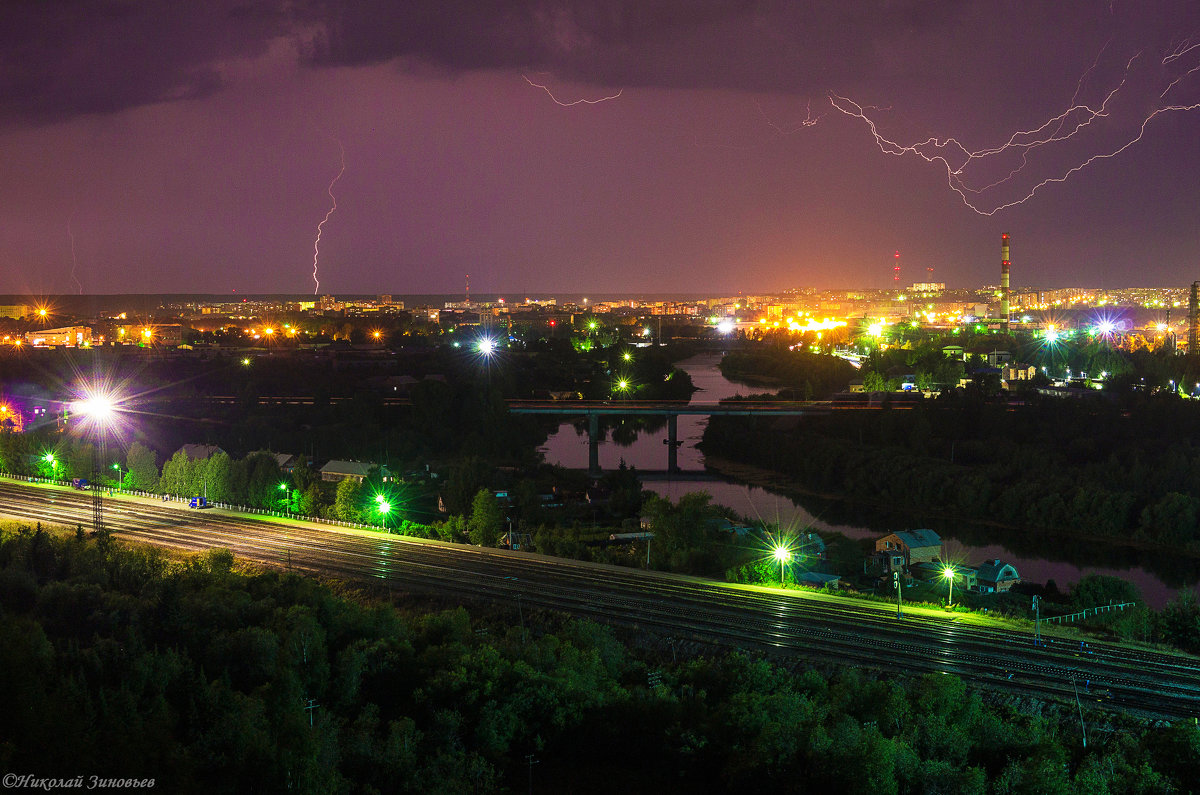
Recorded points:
(1193, 318)
(1004, 281)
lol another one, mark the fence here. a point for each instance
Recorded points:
(227, 506)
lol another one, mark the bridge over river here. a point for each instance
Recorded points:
(594, 410)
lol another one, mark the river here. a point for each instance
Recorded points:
(569, 448)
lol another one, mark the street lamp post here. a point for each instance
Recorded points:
(287, 497)
(783, 555)
(384, 507)
(948, 573)
(98, 409)
(120, 477)
(896, 580)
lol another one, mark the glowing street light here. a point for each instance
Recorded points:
(948, 573)
(120, 476)
(783, 555)
(486, 346)
(98, 407)
(384, 507)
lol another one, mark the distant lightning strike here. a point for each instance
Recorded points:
(320, 226)
(572, 103)
(955, 158)
(808, 121)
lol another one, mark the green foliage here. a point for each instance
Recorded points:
(348, 505)
(1179, 622)
(142, 468)
(122, 664)
(487, 519)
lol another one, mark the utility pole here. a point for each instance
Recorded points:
(1037, 622)
(896, 581)
(1082, 727)
(521, 613)
(312, 705)
(529, 758)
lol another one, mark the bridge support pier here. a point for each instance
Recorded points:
(594, 446)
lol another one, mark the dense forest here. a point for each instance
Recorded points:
(122, 663)
(1079, 467)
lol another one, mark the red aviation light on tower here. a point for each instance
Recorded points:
(896, 270)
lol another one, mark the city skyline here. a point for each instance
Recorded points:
(601, 147)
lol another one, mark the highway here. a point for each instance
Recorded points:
(809, 625)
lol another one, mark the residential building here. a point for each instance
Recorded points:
(899, 551)
(199, 452)
(996, 575)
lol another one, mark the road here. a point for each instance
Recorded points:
(814, 626)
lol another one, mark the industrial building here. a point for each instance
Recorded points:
(69, 336)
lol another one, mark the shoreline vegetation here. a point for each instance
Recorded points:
(750, 475)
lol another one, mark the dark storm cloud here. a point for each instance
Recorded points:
(63, 59)
(763, 45)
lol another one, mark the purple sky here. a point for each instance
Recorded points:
(186, 147)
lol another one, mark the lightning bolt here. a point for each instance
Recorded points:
(808, 121)
(557, 101)
(955, 159)
(74, 262)
(321, 226)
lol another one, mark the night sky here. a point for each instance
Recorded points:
(610, 146)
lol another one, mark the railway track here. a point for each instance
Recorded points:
(813, 626)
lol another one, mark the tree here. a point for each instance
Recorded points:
(487, 520)
(1095, 590)
(465, 479)
(177, 475)
(218, 477)
(346, 504)
(1179, 622)
(143, 469)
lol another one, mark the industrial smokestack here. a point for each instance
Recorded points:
(1004, 280)
(1193, 318)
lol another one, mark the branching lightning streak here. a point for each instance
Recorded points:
(808, 121)
(321, 226)
(557, 101)
(955, 158)
(74, 262)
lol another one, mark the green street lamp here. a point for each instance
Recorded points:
(384, 507)
(948, 573)
(783, 555)
(287, 497)
(120, 477)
